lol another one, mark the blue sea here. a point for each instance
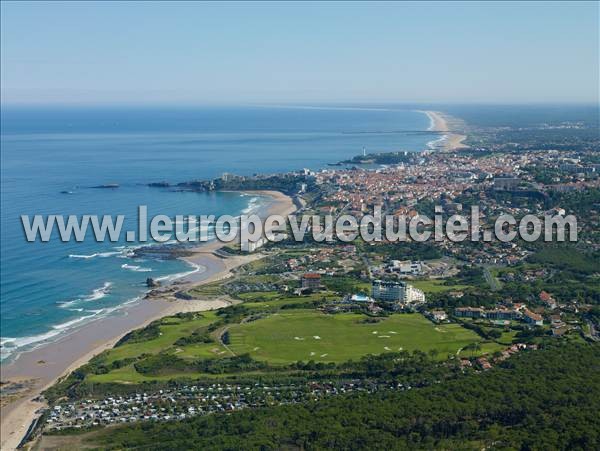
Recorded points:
(53, 157)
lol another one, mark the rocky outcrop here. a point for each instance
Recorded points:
(152, 283)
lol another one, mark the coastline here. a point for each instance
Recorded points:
(43, 366)
(450, 140)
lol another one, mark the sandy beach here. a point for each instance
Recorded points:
(440, 123)
(43, 366)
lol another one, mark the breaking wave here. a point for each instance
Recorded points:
(95, 295)
(136, 268)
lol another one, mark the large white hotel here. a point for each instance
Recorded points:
(401, 292)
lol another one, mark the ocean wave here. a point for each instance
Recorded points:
(253, 204)
(10, 346)
(97, 254)
(68, 324)
(4, 340)
(82, 256)
(99, 293)
(431, 120)
(126, 251)
(96, 295)
(436, 143)
(119, 252)
(136, 268)
(172, 277)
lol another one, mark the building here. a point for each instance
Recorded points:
(469, 312)
(311, 281)
(406, 267)
(414, 295)
(559, 331)
(548, 300)
(228, 177)
(399, 292)
(437, 316)
(502, 314)
(506, 182)
(360, 298)
(484, 363)
(556, 321)
(388, 291)
(251, 246)
(533, 318)
(578, 169)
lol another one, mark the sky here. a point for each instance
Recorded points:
(238, 53)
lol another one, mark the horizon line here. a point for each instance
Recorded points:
(375, 105)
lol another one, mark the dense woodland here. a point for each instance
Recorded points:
(541, 400)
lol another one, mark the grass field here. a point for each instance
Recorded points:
(289, 336)
(171, 329)
(210, 290)
(268, 300)
(309, 335)
(435, 286)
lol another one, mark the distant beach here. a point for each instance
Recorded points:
(448, 141)
(42, 367)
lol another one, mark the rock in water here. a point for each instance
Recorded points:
(151, 283)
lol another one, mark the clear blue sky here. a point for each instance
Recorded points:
(203, 53)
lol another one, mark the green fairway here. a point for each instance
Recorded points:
(270, 300)
(309, 335)
(171, 329)
(435, 286)
(287, 336)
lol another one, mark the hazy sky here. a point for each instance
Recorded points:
(202, 53)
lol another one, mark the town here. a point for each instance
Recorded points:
(326, 319)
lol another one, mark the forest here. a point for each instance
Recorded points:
(548, 399)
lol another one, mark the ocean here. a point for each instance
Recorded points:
(52, 158)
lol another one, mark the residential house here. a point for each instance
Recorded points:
(533, 318)
(311, 281)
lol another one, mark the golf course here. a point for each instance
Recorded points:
(286, 336)
(311, 335)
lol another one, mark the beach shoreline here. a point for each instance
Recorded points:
(450, 140)
(44, 366)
